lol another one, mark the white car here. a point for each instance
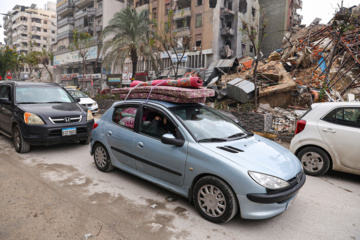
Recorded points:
(85, 100)
(328, 137)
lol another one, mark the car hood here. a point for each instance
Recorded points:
(52, 110)
(258, 154)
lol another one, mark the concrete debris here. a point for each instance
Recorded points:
(314, 64)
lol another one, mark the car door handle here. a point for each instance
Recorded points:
(329, 130)
(140, 144)
(109, 133)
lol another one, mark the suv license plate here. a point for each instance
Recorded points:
(68, 131)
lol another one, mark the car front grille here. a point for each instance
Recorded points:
(71, 119)
(87, 105)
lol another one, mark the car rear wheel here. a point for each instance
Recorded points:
(21, 146)
(215, 200)
(101, 158)
(314, 160)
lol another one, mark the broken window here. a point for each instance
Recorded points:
(198, 20)
(242, 6)
(253, 12)
(212, 3)
(228, 24)
(251, 49)
(198, 43)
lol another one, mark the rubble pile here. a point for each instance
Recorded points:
(316, 63)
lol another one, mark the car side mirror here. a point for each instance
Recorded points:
(77, 99)
(169, 139)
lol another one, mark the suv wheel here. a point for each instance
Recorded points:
(215, 200)
(314, 160)
(21, 146)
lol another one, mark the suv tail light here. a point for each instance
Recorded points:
(95, 125)
(300, 125)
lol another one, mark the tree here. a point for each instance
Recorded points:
(170, 42)
(44, 58)
(124, 36)
(81, 43)
(8, 60)
(256, 36)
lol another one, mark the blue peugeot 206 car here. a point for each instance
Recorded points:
(198, 153)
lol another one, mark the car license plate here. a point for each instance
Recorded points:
(69, 131)
(291, 201)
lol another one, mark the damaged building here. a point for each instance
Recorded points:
(212, 26)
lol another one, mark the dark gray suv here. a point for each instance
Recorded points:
(42, 114)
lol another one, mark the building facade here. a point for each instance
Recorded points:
(212, 26)
(282, 16)
(31, 24)
(89, 16)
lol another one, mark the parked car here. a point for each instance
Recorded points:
(327, 137)
(198, 153)
(85, 100)
(42, 114)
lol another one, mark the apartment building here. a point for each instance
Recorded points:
(89, 16)
(212, 25)
(282, 16)
(31, 24)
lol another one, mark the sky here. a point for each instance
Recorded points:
(323, 9)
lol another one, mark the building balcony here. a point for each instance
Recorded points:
(85, 12)
(82, 3)
(227, 12)
(98, 28)
(181, 32)
(227, 32)
(65, 34)
(66, 21)
(298, 4)
(182, 13)
(99, 12)
(226, 53)
(65, 9)
(143, 7)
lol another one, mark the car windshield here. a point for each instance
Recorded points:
(41, 94)
(77, 94)
(208, 125)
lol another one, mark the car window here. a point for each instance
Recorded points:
(125, 116)
(42, 94)
(155, 124)
(206, 124)
(5, 92)
(344, 116)
(78, 94)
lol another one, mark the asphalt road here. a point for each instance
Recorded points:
(56, 192)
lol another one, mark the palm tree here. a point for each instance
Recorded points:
(126, 34)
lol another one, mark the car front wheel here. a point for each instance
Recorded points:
(314, 161)
(102, 158)
(215, 200)
(21, 146)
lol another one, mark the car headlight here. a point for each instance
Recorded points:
(268, 181)
(94, 104)
(89, 115)
(31, 118)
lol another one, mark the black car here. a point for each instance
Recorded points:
(42, 114)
